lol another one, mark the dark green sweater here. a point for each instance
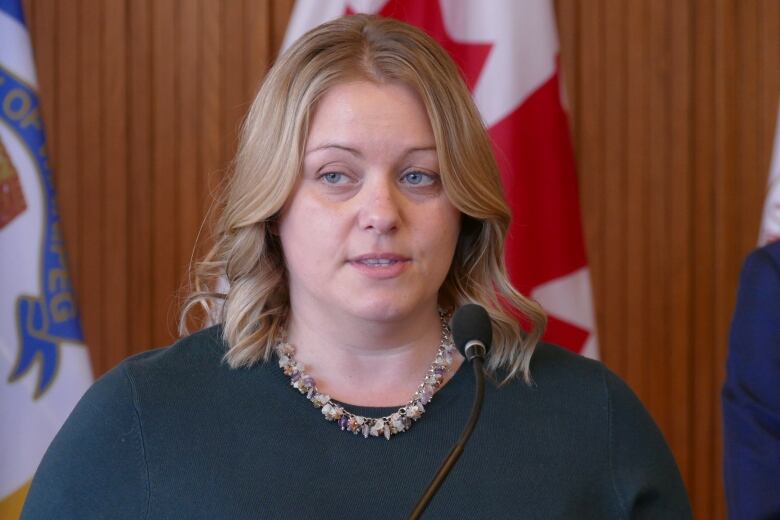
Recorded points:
(176, 433)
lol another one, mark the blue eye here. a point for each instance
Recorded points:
(332, 177)
(418, 178)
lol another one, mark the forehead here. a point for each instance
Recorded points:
(365, 110)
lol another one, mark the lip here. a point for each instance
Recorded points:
(380, 266)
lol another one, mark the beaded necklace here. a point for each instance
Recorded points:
(398, 421)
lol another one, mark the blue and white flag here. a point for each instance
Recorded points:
(44, 365)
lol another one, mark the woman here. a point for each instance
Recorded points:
(365, 205)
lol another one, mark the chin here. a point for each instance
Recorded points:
(384, 309)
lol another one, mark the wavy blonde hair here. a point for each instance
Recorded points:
(247, 254)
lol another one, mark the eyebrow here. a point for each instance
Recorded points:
(357, 153)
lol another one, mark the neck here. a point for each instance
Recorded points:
(365, 362)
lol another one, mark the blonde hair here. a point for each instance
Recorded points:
(247, 254)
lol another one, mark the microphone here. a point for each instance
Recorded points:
(472, 333)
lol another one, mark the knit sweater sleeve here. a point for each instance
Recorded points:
(95, 466)
(645, 477)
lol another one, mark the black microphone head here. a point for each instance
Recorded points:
(471, 323)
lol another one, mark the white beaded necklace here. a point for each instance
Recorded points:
(397, 422)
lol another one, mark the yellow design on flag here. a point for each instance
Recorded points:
(11, 506)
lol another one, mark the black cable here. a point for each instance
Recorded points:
(454, 454)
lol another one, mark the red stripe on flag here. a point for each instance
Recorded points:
(534, 152)
(565, 334)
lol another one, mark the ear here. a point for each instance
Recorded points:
(272, 225)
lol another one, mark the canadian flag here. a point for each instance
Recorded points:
(508, 53)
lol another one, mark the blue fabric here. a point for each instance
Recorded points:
(13, 8)
(751, 394)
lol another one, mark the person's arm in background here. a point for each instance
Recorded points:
(751, 394)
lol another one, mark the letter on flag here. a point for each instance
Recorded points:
(508, 53)
(44, 366)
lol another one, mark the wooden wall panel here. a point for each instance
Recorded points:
(673, 109)
(189, 193)
(164, 176)
(139, 103)
(115, 285)
(677, 358)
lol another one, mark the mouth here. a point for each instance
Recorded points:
(384, 265)
(378, 260)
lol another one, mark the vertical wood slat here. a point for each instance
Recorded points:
(164, 175)
(66, 153)
(188, 154)
(212, 113)
(637, 161)
(679, 297)
(591, 66)
(257, 45)
(234, 102)
(656, 185)
(115, 173)
(280, 12)
(613, 328)
(139, 181)
(92, 204)
(727, 253)
(747, 96)
(703, 247)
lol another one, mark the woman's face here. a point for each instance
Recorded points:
(369, 232)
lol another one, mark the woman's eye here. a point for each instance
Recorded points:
(333, 178)
(418, 178)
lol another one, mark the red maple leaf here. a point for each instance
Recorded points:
(470, 57)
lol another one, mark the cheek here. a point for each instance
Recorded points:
(308, 233)
(443, 232)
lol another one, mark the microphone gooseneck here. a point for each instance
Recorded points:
(472, 332)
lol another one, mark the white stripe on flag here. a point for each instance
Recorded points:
(15, 50)
(770, 221)
(529, 39)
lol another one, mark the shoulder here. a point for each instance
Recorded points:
(201, 349)
(770, 251)
(760, 263)
(587, 421)
(192, 372)
(103, 445)
(114, 396)
(586, 387)
(116, 399)
(556, 369)
(756, 320)
(578, 393)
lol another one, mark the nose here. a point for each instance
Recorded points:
(380, 210)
